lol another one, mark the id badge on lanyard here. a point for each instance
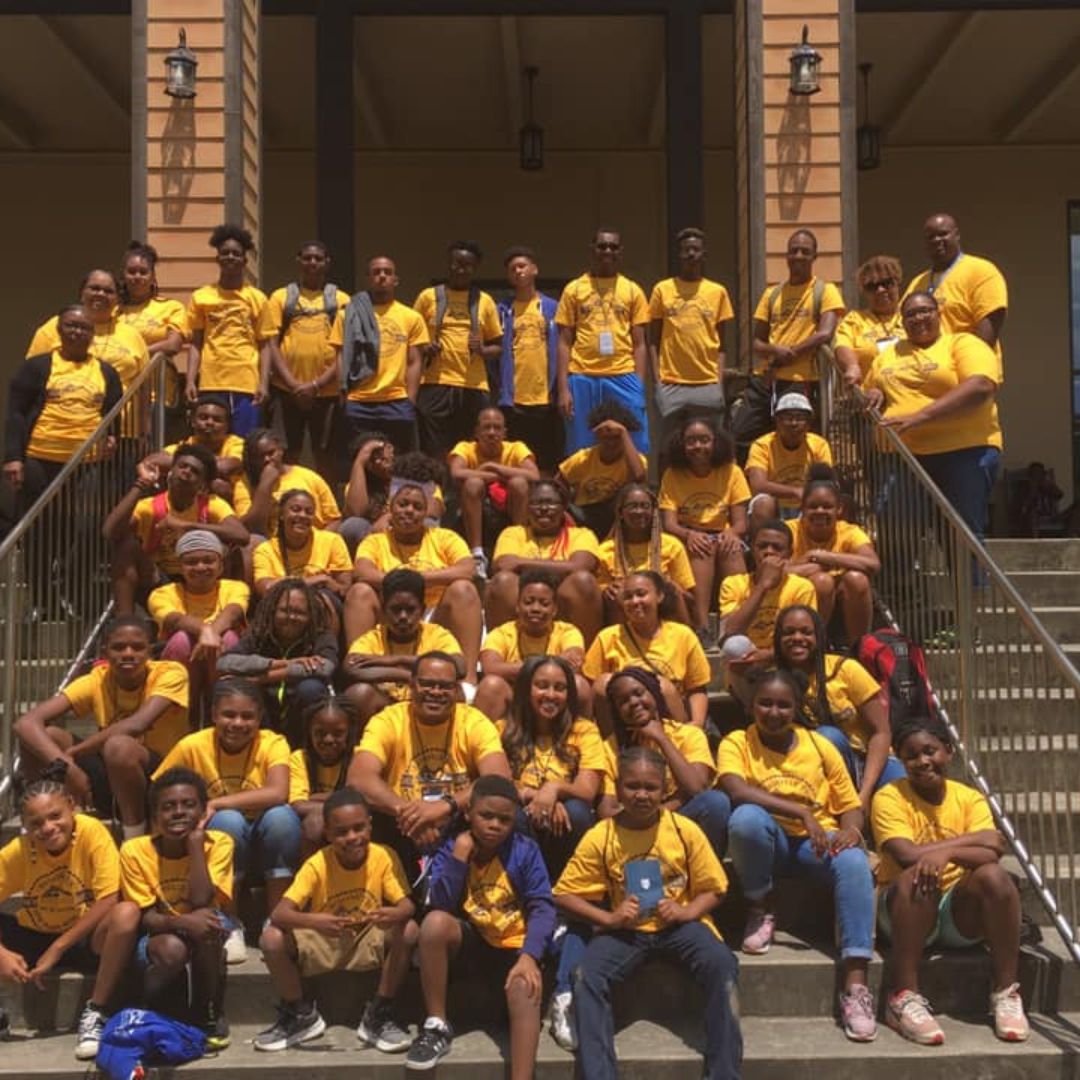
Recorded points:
(607, 343)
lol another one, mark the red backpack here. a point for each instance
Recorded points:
(900, 666)
(160, 507)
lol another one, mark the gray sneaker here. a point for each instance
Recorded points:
(296, 1023)
(431, 1045)
(379, 1029)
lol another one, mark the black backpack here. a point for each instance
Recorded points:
(900, 666)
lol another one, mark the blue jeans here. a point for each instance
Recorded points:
(966, 478)
(271, 842)
(611, 958)
(856, 761)
(710, 811)
(588, 391)
(761, 850)
(557, 850)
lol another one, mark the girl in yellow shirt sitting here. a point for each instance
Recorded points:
(835, 555)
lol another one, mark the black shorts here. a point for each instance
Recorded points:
(94, 767)
(446, 415)
(31, 945)
(476, 955)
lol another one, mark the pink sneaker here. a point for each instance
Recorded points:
(857, 1014)
(760, 927)
(909, 1014)
(1010, 1023)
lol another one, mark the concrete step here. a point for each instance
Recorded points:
(1051, 554)
(1001, 665)
(1062, 623)
(1020, 709)
(1028, 761)
(1048, 588)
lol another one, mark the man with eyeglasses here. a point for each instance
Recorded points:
(602, 352)
(865, 332)
(417, 760)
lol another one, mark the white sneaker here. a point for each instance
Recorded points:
(235, 946)
(91, 1025)
(561, 1021)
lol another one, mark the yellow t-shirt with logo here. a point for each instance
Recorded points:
(454, 365)
(162, 547)
(510, 644)
(492, 906)
(602, 313)
(689, 340)
(150, 880)
(512, 454)
(430, 637)
(229, 320)
(586, 746)
(399, 329)
(689, 740)
(115, 343)
(326, 776)
(58, 890)
(911, 378)
(704, 502)
(531, 375)
(438, 549)
(784, 466)
(848, 686)
(847, 540)
(674, 561)
(156, 319)
(812, 773)
(793, 589)
(674, 652)
(899, 813)
(791, 321)
(324, 553)
(167, 599)
(429, 759)
(688, 864)
(520, 540)
(594, 480)
(323, 884)
(96, 694)
(232, 447)
(305, 347)
(228, 774)
(298, 477)
(74, 395)
(866, 335)
(972, 289)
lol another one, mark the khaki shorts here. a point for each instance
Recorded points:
(318, 954)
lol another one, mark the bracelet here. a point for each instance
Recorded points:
(451, 802)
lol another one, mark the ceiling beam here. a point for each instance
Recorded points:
(1043, 91)
(60, 31)
(16, 126)
(934, 58)
(510, 40)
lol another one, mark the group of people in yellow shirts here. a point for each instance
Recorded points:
(492, 747)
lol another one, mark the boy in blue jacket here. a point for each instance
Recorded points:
(492, 910)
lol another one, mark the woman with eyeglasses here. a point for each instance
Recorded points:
(865, 332)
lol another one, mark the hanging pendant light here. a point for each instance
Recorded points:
(867, 135)
(531, 136)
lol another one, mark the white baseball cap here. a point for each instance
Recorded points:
(794, 402)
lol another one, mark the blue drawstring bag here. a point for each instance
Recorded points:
(135, 1039)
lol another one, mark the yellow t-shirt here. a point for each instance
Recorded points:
(454, 365)
(689, 740)
(513, 454)
(583, 739)
(326, 776)
(327, 510)
(399, 328)
(972, 289)
(603, 313)
(674, 652)
(439, 549)
(689, 341)
(151, 880)
(812, 773)
(492, 906)
(848, 686)
(74, 395)
(167, 599)
(688, 864)
(793, 589)
(58, 890)
(161, 543)
(429, 759)
(704, 502)
(531, 375)
(97, 694)
(324, 553)
(228, 774)
(514, 647)
(229, 320)
(911, 378)
(784, 466)
(866, 335)
(305, 347)
(674, 562)
(521, 541)
(115, 343)
(156, 319)
(791, 321)
(847, 539)
(897, 812)
(232, 447)
(323, 884)
(430, 637)
(594, 480)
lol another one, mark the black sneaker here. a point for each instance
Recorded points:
(295, 1024)
(5, 1024)
(216, 1029)
(379, 1029)
(431, 1045)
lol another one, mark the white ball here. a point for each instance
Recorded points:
(736, 647)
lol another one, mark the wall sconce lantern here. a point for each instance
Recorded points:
(805, 61)
(867, 135)
(180, 65)
(531, 136)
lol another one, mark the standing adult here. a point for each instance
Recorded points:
(602, 354)
(871, 329)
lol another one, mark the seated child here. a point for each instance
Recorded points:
(661, 880)
(176, 882)
(595, 474)
(141, 710)
(942, 883)
(348, 909)
(491, 911)
(65, 871)
(535, 632)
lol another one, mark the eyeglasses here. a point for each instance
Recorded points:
(884, 283)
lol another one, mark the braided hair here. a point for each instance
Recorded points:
(623, 562)
(43, 786)
(253, 464)
(262, 622)
(332, 703)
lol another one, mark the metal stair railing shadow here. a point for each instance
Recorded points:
(1005, 687)
(54, 564)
